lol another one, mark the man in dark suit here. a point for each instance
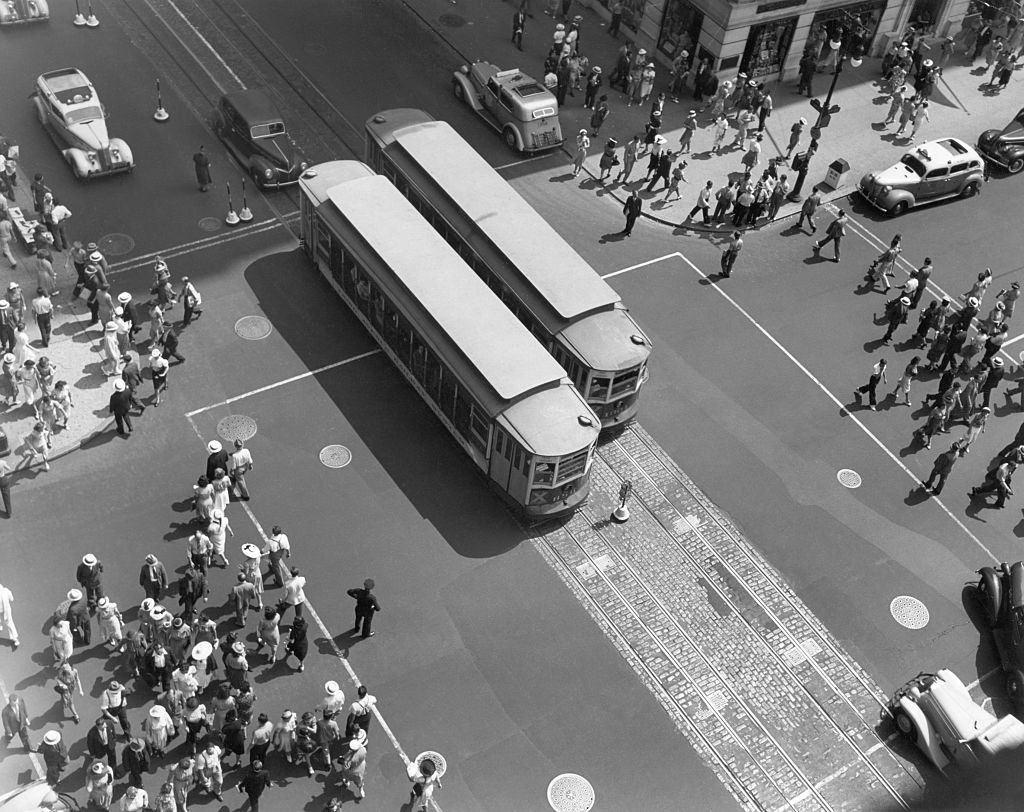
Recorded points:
(366, 606)
(518, 25)
(132, 376)
(634, 205)
(218, 459)
(120, 407)
(100, 741)
(15, 719)
(169, 339)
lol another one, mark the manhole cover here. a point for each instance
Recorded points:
(116, 245)
(848, 478)
(569, 792)
(909, 612)
(209, 224)
(236, 427)
(335, 456)
(452, 20)
(252, 328)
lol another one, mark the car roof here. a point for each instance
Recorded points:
(254, 105)
(69, 85)
(944, 151)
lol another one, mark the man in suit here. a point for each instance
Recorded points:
(218, 459)
(634, 205)
(132, 376)
(518, 25)
(153, 578)
(169, 340)
(120, 406)
(15, 718)
(366, 606)
(100, 741)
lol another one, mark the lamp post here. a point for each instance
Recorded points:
(825, 110)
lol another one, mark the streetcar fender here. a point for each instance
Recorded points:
(468, 91)
(927, 739)
(990, 593)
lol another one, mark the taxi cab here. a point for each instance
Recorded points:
(519, 107)
(936, 170)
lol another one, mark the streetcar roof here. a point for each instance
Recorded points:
(318, 180)
(609, 340)
(550, 265)
(547, 424)
(472, 320)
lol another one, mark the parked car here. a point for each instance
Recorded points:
(519, 107)
(937, 713)
(936, 170)
(1006, 146)
(23, 11)
(252, 128)
(1001, 594)
(70, 111)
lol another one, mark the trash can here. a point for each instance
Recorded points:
(836, 172)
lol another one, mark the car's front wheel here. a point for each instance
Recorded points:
(899, 208)
(1016, 165)
(906, 725)
(510, 138)
(970, 190)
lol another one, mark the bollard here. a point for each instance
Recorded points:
(244, 215)
(91, 20)
(79, 17)
(160, 114)
(232, 216)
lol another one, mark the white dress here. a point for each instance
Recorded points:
(111, 625)
(221, 492)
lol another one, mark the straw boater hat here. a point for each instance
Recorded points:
(217, 513)
(238, 647)
(104, 601)
(147, 605)
(52, 737)
(74, 595)
(157, 613)
(155, 711)
(110, 327)
(155, 353)
(96, 256)
(98, 768)
(213, 446)
(119, 386)
(250, 551)
(89, 559)
(358, 740)
(124, 298)
(9, 358)
(202, 650)
(332, 687)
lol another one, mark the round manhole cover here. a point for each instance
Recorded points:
(335, 456)
(909, 612)
(116, 245)
(209, 224)
(848, 478)
(252, 328)
(452, 20)
(236, 427)
(569, 792)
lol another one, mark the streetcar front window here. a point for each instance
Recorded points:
(625, 382)
(544, 473)
(599, 388)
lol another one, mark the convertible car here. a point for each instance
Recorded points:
(70, 111)
(23, 11)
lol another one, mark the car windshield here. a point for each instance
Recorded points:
(913, 164)
(531, 89)
(83, 114)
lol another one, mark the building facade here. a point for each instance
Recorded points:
(766, 38)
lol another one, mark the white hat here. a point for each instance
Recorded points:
(51, 737)
(155, 354)
(103, 601)
(119, 385)
(110, 327)
(118, 311)
(803, 120)
(217, 513)
(332, 687)
(973, 302)
(157, 613)
(147, 605)
(96, 256)
(99, 768)
(4, 304)
(88, 559)
(559, 27)
(358, 739)
(250, 551)
(124, 298)
(157, 710)
(74, 594)
(213, 446)
(9, 358)
(202, 650)
(238, 647)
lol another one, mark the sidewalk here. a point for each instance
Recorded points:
(74, 351)
(959, 106)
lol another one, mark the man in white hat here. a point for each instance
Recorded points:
(7, 325)
(90, 575)
(243, 593)
(114, 705)
(153, 577)
(218, 459)
(193, 301)
(55, 756)
(352, 766)
(130, 314)
(120, 407)
(334, 698)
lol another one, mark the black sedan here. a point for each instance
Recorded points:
(249, 123)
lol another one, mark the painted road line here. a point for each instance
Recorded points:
(828, 393)
(1013, 340)
(639, 265)
(213, 238)
(37, 764)
(320, 624)
(986, 676)
(311, 373)
(519, 163)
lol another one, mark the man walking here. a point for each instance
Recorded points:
(922, 274)
(42, 308)
(877, 376)
(202, 167)
(193, 302)
(896, 311)
(253, 784)
(725, 196)
(518, 25)
(733, 246)
(114, 705)
(7, 627)
(998, 482)
(132, 377)
(120, 407)
(153, 578)
(169, 341)
(218, 458)
(90, 575)
(703, 203)
(941, 468)
(15, 719)
(277, 549)
(100, 741)
(992, 380)
(243, 594)
(632, 208)
(366, 606)
(834, 233)
(294, 594)
(241, 464)
(6, 480)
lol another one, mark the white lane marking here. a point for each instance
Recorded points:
(1013, 340)
(519, 163)
(209, 47)
(201, 241)
(37, 763)
(311, 373)
(320, 624)
(828, 393)
(639, 265)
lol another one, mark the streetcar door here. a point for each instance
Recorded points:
(501, 457)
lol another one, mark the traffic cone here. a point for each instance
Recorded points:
(244, 215)
(160, 114)
(79, 17)
(91, 20)
(232, 217)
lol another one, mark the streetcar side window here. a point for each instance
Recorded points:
(517, 459)
(499, 441)
(479, 428)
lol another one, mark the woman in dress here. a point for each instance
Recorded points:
(111, 623)
(884, 265)
(158, 367)
(284, 735)
(164, 801)
(8, 380)
(911, 371)
(68, 682)
(221, 489)
(37, 442)
(236, 666)
(99, 783)
(233, 734)
(45, 372)
(244, 703)
(62, 396)
(221, 704)
(980, 286)
(203, 499)
(158, 728)
(608, 159)
(195, 722)
(646, 83)
(582, 145)
(975, 427)
(22, 349)
(268, 633)
(110, 353)
(250, 568)
(218, 531)
(298, 645)
(27, 379)
(156, 323)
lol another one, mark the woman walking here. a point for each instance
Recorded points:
(111, 623)
(979, 287)
(250, 568)
(608, 159)
(221, 484)
(202, 501)
(68, 682)
(268, 633)
(877, 376)
(221, 704)
(61, 641)
(297, 645)
(158, 366)
(582, 145)
(629, 156)
(752, 157)
(233, 733)
(884, 266)
(975, 427)
(911, 371)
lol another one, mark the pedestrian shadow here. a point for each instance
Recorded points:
(1018, 529)
(54, 715)
(617, 236)
(815, 259)
(83, 336)
(1005, 411)
(93, 376)
(97, 439)
(874, 344)
(42, 676)
(974, 508)
(561, 178)
(279, 669)
(981, 70)
(917, 496)
(68, 328)
(910, 448)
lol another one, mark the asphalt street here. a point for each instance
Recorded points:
(482, 654)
